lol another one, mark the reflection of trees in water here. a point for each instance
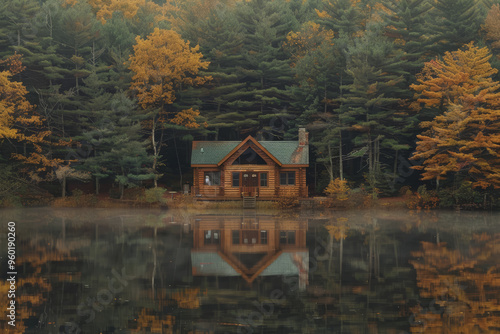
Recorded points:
(66, 258)
(38, 272)
(462, 284)
(360, 284)
(162, 317)
(149, 321)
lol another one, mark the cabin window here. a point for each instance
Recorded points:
(236, 179)
(287, 237)
(263, 179)
(212, 237)
(212, 178)
(287, 178)
(236, 237)
(263, 237)
(249, 157)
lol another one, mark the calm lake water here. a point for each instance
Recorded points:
(150, 271)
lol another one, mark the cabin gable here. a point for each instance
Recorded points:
(251, 154)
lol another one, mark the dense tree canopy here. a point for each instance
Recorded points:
(360, 75)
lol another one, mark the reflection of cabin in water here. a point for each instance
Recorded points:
(250, 247)
(250, 168)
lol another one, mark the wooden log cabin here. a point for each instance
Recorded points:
(249, 247)
(250, 168)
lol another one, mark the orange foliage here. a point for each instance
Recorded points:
(322, 14)
(14, 63)
(18, 120)
(338, 188)
(418, 202)
(187, 118)
(188, 298)
(338, 230)
(463, 286)
(162, 63)
(32, 289)
(13, 102)
(461, 74)
(154, 323)
(104, 9)
(465, 138)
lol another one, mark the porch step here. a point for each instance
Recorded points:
(249, 202)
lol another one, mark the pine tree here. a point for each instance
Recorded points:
(265, 68)
(16, 27)
(118, 149)
(406, 26)
(220, 37)
(76, 30)
(454, 23)
(128, 156)
(98, 122)
(370, 105)
(344, 17)
(315, 63)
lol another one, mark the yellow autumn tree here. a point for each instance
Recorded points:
(462, 73)
(465, 137)
(12, 98)
(163, 64)
(104, 9)
(338, 189)
(19, 122)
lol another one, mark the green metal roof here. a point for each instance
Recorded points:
(211, 264)
(286, 152)
(211, 152)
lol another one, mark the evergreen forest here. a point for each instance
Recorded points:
(108, 95)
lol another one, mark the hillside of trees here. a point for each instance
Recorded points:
(111, 93)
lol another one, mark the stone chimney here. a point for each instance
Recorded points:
(303, 137)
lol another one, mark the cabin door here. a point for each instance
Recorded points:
(249, 183)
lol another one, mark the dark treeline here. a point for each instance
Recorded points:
(114, 91)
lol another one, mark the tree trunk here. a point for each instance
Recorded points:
(155, 152)
(178, 162)
(154, 264)
(121, 190)
(64, 187)
(370, 155)
(395, 165)
(341, 163)
(330, 251)
(341, 253)
(330, 161)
